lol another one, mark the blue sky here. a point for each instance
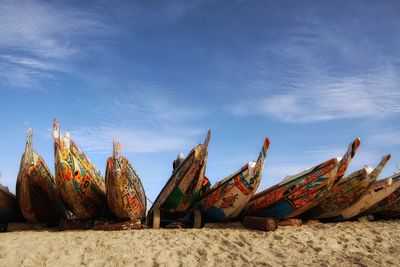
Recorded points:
(156, 75)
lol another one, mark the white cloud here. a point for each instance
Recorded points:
(144, 118)
(99, 139)
(45, 30)
(38, 38)
(318, 71)
(374, 94)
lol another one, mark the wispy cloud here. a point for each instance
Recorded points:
(318, 72)
(144, 118)
(38, 38)
(145, 105)
(374, 94)
(99, 139)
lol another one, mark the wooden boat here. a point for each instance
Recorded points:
(125, 193)
(376, 192)
(297, 194)
(80, 184)
(389, 207)
(8, 205)
(183, 188)
(37, 194)
(346, 192)
(227, 198)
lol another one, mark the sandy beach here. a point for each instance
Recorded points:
(339, 244)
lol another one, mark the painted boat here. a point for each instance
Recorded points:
(346, 192)
(8, 205)
(36, 191)
(227, 198)
(80, 184)
(183, 188)
(125, 193)
(389, 207)
(376, 192)
(299, 193)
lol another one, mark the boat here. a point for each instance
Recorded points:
(227, 198)
(182, 189)
(36, 191)
(8, 205)
(125, 193)
(81, 186)
(299, 193)
(387, 208)
(378, 191)
(346, 192)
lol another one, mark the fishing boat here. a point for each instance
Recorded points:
(80, 184)
(389, 207)
(346, 192)
(182, 189)
(125, 193)
(296, 194)
(8, 205)
(227, 198)
(36, 191)
(378, 191)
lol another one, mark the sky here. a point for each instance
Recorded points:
(156, 75)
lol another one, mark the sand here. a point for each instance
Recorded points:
(341, 244)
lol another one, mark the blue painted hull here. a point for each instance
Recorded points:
(279, 210)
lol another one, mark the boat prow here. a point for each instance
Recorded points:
(81, 187)
(227, 198)
(348, 191)
(301, 192)
(376, 192)
(126, 197)
(36, 191)
(183, 188)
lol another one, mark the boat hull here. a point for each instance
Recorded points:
(301, 192)
(8, 206)
(389, 207)
(80, 184)
(341, 196)
(375, 193)
(285, 198)
(185, 186)
(226, 200)
(346, 192)
(125, 193)
(36, 191)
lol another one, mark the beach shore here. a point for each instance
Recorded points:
(374, 243)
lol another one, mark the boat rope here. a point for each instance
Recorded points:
(148, 199)
(152, 203)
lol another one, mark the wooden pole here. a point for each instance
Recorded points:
(260, 223)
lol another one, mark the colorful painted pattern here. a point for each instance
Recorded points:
(388, 207)
(81, 186)
(375, 193)
(347, 191)
(185, 185)
(36, 190)
(125, 193)
(301, 192)
(226, 199)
